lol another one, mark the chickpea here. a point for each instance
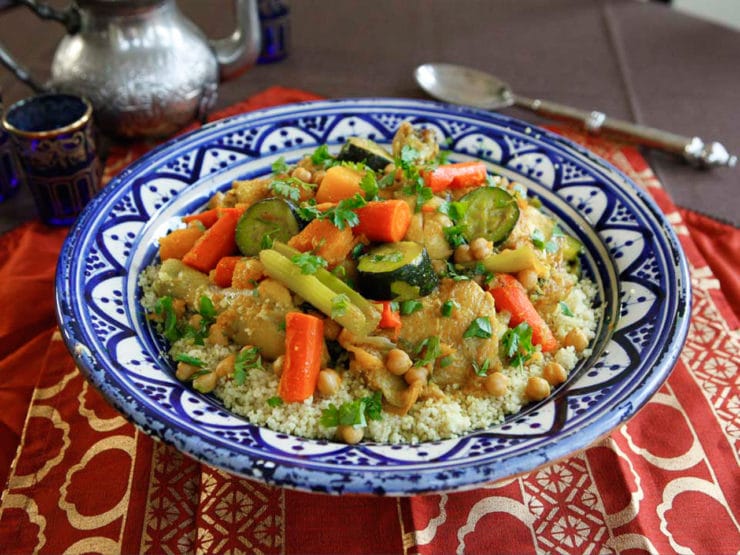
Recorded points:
(206, 382)
(417, 374)
(463, 254)
(318, 177)
(497, 384)
(398, 362)
(195, 320)
(302, 173)
(576, 339)
(537, 388)
(277, 365)
(226, 366)
(217, 335)
(185, 370)
(329, 381)
(528, 278)
(350, 434)
(554, 373)
(480, 248)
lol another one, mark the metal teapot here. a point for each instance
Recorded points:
(146, 68)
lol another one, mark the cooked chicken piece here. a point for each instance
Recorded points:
(423, 141)
(472, 302)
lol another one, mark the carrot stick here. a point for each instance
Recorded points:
(224, 271)
(339, 183)
(207, 218)
(456, 176)
(304, 342)
(216, 243)
(177, 243)
(511, 296)
(383, 220)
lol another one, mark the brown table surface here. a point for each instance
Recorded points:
(641, 61)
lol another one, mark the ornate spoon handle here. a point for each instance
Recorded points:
(693, 149)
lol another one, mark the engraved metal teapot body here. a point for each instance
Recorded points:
(146, 68)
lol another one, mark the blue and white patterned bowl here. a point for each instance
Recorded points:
(631, 254)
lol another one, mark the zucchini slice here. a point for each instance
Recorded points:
(358, 149)
(400, 270)
(268, 220)
(490, 212)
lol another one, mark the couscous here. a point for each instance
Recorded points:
(373, 294)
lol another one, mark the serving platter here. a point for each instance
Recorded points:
(631, 254)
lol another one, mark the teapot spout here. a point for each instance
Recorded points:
(240, 50)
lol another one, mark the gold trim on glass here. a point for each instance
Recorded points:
(79, 123)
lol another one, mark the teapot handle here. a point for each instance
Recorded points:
(70, 18)
(240, 50)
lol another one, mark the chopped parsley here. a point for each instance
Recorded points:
(322, 157)
(517, 344)
(430, 348)
(448, 307)
(353, 413)
(309, 263)
(339, 305)
(455, 235)
(369, 185)
(343, 214)
(165, 310)
(206, 308)
(248, 358)
(480, 327)
(290, 187)
(481, 369)
(280, 166)
(275, 401)
(409, 307)
(191, 360)
(565, 309)
(539, 241)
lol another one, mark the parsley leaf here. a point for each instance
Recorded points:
(279, 166)
(191, 360)
(206, 308)
(339, 305)
(448, 307)
(517, 343)
(565, 309)
(409, 307)
(455, 235)
(369, 185)
(275, 401)
(164, 308)
(431, 348)
(343, 215)
(480, 327)
(538, 240)
(248, 358)
(481, 369)
(353, 413)
(309, 263)
(321, 157)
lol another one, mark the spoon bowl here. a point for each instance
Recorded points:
(464, 85)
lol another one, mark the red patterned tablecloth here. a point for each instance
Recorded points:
(80, 479)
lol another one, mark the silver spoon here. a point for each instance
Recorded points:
(471, 87)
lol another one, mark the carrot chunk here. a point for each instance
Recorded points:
(304, 342)
(224, 271)
(511, 296)
(455, 176)
(324, 239)
(218, 241)
(385, 221)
